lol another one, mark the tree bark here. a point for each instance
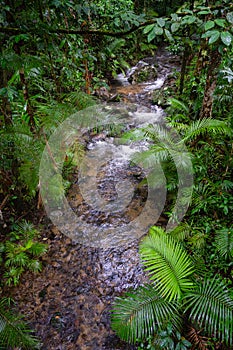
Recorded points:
(5, 106)
(211, 80)
(184, 64)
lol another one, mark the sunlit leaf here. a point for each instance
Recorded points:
(147, 29)
(161, 22)
(226, 38)
(167, 263)
(214, 37)
(230, 17)
(175, 26)
(209, 25)
(220, 22)
(168, 35)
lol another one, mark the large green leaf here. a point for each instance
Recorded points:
(136, 315)
(211, 306)
(148, 28)
(168, 264)
(161, 22)
(175, 26)
(214, 37)
(220, 22)
(209, 25)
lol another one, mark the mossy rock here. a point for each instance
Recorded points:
(143, 73)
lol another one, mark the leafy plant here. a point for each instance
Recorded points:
(224, 242)
(21, 252)
(168, 264)
(211, 306)
(14, 332)
(204, 301)
(139, 314)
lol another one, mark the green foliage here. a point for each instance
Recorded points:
(21, 252)
(14, 332)
(169, 266)
(205, 301)
(211, 306)
(224, 242)
(138, 314)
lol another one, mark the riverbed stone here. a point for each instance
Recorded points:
(143, 72)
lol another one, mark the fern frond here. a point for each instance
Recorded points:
(24, 230)
(136, 315)
(198, 341)
(178, 105)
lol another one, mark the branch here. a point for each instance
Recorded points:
(11, 30)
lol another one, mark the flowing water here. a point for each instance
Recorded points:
(69, 303)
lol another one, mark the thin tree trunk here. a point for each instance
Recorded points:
(211, 81)
(184, 64)
(5, 105)
(24, 84)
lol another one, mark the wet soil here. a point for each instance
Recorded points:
(69, 302)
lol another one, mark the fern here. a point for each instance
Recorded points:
(181, 232)
(178, 105)
(21, 252)
(199, 341)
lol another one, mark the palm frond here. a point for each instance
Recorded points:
(137, 314)
(180, 232)
(159, 134)
(14, 332)
(206, 125)
(178, 105)
(224, 242)
(211, 306)
(168, 264)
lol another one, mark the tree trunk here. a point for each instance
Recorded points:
(5, 106)
(185, 62)
(211, 80)
(24, 84)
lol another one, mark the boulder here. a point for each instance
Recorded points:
(142, 72)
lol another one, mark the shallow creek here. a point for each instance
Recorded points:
(69, 303)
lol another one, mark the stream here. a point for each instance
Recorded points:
(69, 302)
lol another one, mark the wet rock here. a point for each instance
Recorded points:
(142, 72)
